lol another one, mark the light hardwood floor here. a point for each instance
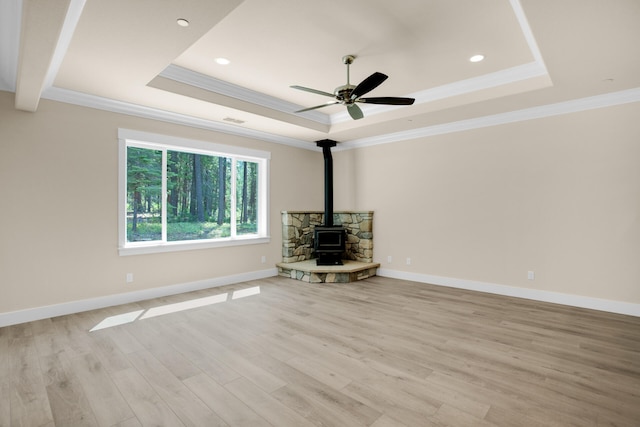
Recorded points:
(380, 352)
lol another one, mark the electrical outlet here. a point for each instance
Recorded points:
(263, 259)
(408, 261)
(129, 277)
(531, 275)
(389, 259)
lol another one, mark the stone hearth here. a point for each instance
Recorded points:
(308, 271)
(298, 258)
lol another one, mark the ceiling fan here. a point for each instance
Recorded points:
(349, 94)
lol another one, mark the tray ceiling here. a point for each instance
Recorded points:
(134, 57)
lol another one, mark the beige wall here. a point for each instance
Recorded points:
(58, 207)
(559, 196)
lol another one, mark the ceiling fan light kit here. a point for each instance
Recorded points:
(349, 94)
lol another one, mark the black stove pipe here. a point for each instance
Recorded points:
(326, 145)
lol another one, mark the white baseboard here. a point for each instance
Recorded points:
(611, 306)
(38, 313)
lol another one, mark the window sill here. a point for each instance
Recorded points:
(152, 248)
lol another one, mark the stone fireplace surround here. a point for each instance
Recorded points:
(298, 258)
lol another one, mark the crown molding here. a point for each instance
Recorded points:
(106, 104)
(211, 84)
(462, 87)
(560, 108)
(486, 81)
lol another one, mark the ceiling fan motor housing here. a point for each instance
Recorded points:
(343, 93)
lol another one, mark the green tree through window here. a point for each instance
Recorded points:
(178, 195)
(198, 201)
(144, 186)
(247, 183)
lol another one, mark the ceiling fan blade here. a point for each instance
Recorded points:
(368, 84)
(354, 111)
(388, 100)
(326, 104)
(307, 89)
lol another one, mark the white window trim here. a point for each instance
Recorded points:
(128, 137)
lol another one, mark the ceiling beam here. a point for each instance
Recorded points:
(42, 25)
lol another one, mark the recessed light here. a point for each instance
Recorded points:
(222, 61)
(182, 22)
(476, 58)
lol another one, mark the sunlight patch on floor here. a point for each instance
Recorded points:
(119, 319)
(122, 319)
(184, 305)
(246, 292)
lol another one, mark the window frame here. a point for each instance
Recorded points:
(133, 138)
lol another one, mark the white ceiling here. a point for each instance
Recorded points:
(542, 57)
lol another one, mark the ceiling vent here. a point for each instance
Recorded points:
(232, 120)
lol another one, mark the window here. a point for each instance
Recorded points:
(178, 194)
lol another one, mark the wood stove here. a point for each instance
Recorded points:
(329, 240)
